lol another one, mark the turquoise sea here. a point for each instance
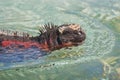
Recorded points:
(97, 59)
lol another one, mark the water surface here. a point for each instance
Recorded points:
(97, 59)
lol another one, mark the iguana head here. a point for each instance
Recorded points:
(71, 35)
(57, 37)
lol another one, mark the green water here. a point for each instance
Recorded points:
(97, 59)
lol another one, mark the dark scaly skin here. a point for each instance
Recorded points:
(51, 37)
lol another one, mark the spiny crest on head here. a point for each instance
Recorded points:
(47, 28)
(47, 33)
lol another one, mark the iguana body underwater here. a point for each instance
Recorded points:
(51, 37)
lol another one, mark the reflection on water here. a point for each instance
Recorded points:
(97, 59)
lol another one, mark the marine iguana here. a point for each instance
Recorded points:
(51, 37)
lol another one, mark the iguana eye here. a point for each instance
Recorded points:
(76, 32)
(66, 32)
